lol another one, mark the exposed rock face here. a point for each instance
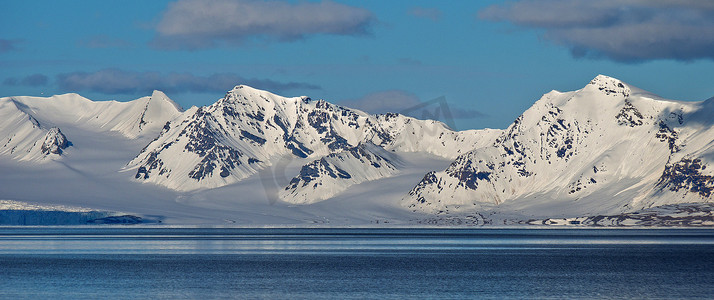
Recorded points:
(629, 115)
(336, 172)
(687, 175)
(54, 142)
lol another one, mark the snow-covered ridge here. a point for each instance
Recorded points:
(29, 125)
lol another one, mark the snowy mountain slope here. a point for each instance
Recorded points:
(248, 129)
(606, 148)
(30, 126)
(325, 177)
(24, 138)
(141, 117)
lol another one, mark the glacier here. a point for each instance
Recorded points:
(27, 214)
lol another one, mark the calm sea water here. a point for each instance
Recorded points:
(216, 263)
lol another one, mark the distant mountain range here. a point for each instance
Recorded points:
(606, 149)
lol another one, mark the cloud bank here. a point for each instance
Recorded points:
(196, 24)
(620, 30)
(115, 81)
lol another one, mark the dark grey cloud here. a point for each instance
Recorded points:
(397, 101)
(196, 24)
(8, 45)
(621, 30)
(31, 80)
(430, 13)
(115, 81)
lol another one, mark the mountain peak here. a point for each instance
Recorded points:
(609, 85)
(157, 95)
(243, 93)
(604, 80)
(604, 77)
(248, 89)
(250, 92)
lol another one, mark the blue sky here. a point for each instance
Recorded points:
(489, 59)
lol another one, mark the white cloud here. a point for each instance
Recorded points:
(621, 30)
(196, 24)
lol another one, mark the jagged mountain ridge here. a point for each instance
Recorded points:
(607, 148)
(325, 177)
(248, 129)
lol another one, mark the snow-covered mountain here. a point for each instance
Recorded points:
(31, 127)
(248, 129)
(323, 178)
(605, 149)
(609, 153)
(23, 137)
